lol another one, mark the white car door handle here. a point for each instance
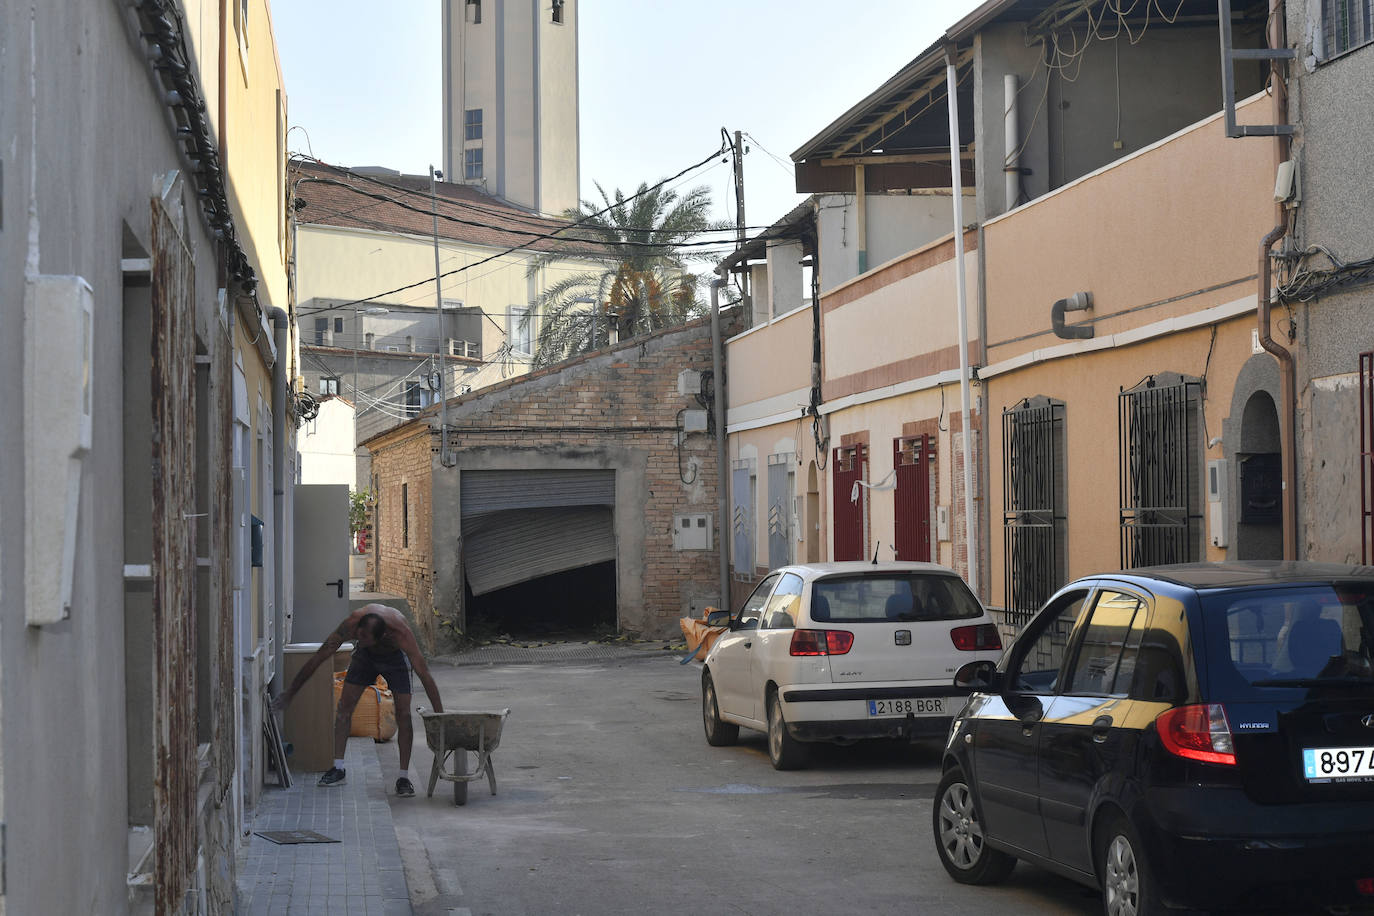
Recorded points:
(748, 645)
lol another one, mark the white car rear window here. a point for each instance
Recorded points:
(892, 597)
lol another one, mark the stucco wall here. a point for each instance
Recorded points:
(1089, 385)
(897, 323)
(1329, 102)
(326, 445)
(897, 224)
(770, 368)
(1167, 232)
(933, 411)
(345, 264)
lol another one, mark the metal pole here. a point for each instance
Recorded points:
(722, 453)
(443, 342)
(965, 398)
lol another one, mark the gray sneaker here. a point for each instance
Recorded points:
(333, 777)
(404, 789)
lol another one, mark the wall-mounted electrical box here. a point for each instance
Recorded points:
(689, 382)
(1218, 502)
(692, 532)
(694, 421)
(942, 523)
(58, 312)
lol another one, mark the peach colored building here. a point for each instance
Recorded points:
(1085, 429)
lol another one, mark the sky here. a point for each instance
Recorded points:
(658, 81)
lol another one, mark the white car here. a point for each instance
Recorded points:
(842, 651)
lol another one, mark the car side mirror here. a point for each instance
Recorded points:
(980, 676)
(718, 619)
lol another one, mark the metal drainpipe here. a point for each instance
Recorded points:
(971, 530)
(861, 216)
(722, 452)
(280, 334)
(1287, 371)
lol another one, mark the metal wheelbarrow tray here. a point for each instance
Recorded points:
(451, 735)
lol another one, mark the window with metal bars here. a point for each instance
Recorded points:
(913, 457)
(1034, 521)
(1346, 25)
(1367, 457)
(848, 469)
(1160, 477)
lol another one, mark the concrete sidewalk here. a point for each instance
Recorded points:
(360, 876)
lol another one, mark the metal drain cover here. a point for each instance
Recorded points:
(291, 837)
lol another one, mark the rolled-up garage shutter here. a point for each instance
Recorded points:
(484, 492)
(523, 525)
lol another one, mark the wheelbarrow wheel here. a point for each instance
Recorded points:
(460, 785)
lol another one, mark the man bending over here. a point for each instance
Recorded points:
(385, 645)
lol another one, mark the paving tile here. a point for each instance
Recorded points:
(359, 876)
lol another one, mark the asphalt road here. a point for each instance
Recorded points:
(609, 801)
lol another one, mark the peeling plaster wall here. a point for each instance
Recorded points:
(1329, 102)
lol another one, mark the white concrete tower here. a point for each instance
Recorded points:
(510, 99)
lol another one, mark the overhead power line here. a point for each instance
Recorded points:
(507, 215)
(551, 235)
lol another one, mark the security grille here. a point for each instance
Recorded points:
(849, 463)
(1346, 24)
(742, 483)
(1161, 514)
(1033, 513)
(1367, 457)
(913, 457)
(781, 484)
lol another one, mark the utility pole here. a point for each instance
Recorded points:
(434, 175)
(737, 154)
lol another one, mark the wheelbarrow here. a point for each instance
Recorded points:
(451, 735)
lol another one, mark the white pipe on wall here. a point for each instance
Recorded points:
(965, 396)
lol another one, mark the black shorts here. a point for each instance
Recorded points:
(364, 668)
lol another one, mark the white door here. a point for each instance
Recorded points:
(321, 561)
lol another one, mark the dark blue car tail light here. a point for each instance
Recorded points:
(1364, 887)
(1200, 732)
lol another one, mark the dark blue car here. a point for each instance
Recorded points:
(1197, 736)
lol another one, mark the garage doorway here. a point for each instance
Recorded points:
(577, 604)
(539, 553)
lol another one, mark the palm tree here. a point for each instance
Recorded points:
(645, 282)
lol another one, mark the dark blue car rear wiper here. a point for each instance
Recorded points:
(1314, 682)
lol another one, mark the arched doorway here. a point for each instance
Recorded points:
(1259, 485)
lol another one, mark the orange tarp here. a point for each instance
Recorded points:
(697, 633)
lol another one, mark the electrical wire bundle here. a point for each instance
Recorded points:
(1303, 281)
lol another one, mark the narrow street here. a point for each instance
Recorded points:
(610, 801)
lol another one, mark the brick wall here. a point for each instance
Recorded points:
(404, 558)
(601, 407)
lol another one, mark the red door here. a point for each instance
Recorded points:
(913, 458)
(849, 462)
